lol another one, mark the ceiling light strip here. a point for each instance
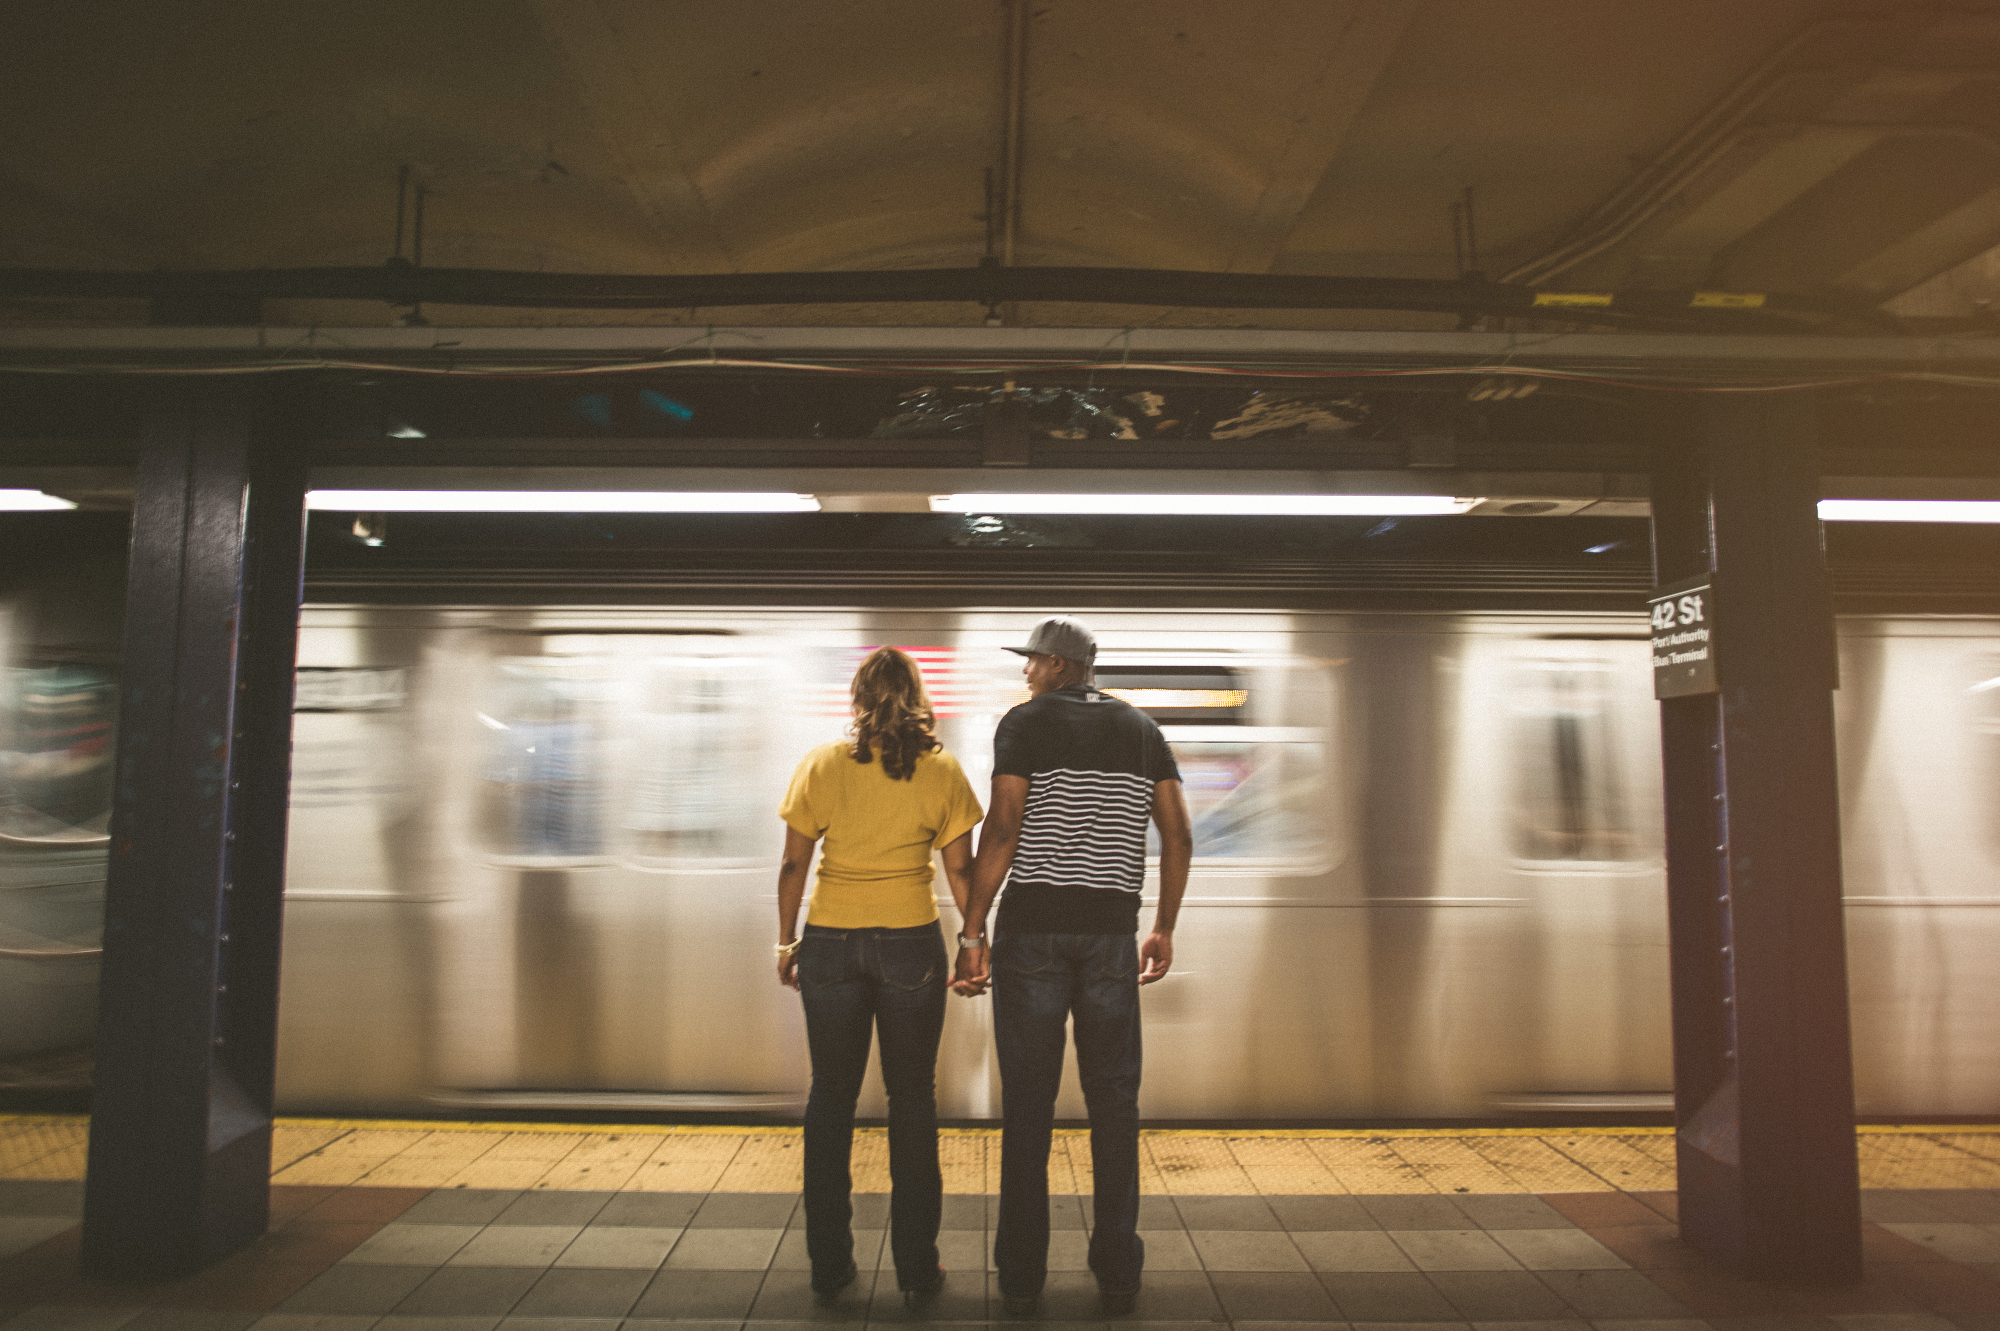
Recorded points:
(31, 501)
(1909, 510)
(1231, 505)
(561, 501)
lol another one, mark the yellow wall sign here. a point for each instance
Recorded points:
(1726, 300)
(1573, 299)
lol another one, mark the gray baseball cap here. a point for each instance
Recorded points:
(1059, 635)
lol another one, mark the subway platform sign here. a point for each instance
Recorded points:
(1683, 647)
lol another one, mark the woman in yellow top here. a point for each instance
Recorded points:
(872, 955)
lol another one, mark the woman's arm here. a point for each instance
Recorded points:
(791, 891)
(957, 859)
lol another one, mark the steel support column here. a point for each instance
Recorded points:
(1763, 1075)
(180, 1132)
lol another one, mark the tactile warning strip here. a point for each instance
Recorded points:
(1270, 1162)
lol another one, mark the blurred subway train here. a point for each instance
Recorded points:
(533, 851)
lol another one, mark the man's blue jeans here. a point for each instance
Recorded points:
(890, 981)
(1039, 980)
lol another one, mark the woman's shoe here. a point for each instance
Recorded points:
(1020, 1305)
(826, 1291)
(915, 1296)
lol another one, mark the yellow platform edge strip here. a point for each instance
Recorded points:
(769, 1130)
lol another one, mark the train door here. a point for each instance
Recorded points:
(1585, 847)
(617, 788)
(1919, 733)
(59, 630)
(971, 685)
(1553, 978)
(1264, 1015)
(354, 1010)
(56, 719)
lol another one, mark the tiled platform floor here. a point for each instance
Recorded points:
(538, 1257)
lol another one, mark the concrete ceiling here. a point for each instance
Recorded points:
(1848, 149)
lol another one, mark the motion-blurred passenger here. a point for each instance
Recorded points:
(871, 956)
(1076, 775)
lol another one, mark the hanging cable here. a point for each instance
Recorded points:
(402, 198)
(1011, 370)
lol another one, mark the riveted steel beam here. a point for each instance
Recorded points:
(1763, 1073)
(180, 1129)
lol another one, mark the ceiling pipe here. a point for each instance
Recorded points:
(1692, 153)
(1687, 172)
(397, 284)
(1015, 130)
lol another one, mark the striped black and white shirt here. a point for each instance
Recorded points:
(1091, 762)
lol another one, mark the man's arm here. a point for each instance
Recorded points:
(999, 837)
(792, 891)
(1170, 815)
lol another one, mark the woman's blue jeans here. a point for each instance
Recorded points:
(893, 982)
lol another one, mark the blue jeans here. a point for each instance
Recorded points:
(893, 981)
(1039, 980)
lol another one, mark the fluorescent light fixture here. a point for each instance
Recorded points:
(1909, 510)
(31, 501)
(561, 501)
(1369, 506)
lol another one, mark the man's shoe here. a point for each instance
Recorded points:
(1117, 1300)
(826, 1291)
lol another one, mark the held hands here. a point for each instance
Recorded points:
(973, 972)
(1156, 957)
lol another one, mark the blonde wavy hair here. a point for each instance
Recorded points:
(892, 713)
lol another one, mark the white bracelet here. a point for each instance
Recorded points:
(787, 949)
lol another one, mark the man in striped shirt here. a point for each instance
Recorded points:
(1077, 774)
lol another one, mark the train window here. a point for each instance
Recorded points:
(1570, 802)
(1180, 695)
(349, 689)
(548, 724)
(697, 781)
(1255, 800)
(1256, 787)
(1984, 693)
(345, 750)
(56, 726)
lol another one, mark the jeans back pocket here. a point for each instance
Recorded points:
(1116, 958)
(1025, 954)
(910, 963)
(824, 961)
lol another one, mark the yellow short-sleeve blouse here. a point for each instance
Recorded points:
(875, 867)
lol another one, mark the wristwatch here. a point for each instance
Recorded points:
(980, 941)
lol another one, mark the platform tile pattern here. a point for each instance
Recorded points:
(410, 1259)
(337, 1153)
